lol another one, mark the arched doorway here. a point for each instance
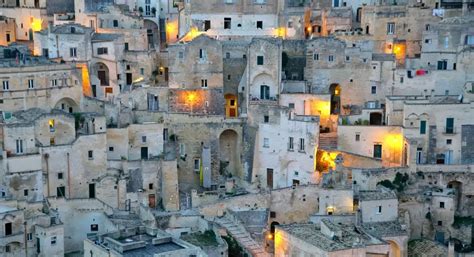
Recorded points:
(102, 73)
(335, 91)
(67, 104)
(375, 118)
(457, 186)
(272, 227)
(230, 106)
(394, 249)
(228, 153)
(152, 33)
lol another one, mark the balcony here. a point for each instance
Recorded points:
(449, 131)
(257, 100)
(451, 5)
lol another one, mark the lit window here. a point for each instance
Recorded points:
(51, 125)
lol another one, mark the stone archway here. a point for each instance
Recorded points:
(152, 33)
(228, 153)
(395, 250)
(67, 104)
(375, 118)
(102, 73)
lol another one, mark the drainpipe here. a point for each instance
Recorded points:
(26, 239)
(46, 157)
(118, 194)
(68, 176)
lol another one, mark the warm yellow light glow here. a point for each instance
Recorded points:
(191, 97)
(309, 29)
(86, 85)
(393, 148)
(192, 34)
(51, 124)
(330, 209)
(36, 24)
(280, 32)
(321, 108)
(326, 160)
(270, 236)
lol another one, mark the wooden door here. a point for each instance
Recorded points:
(151, 201)
(270, 178)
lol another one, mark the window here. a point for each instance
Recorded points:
(357, 138)
(60, 175)
(111, 148)
(264, 92)
(228, 77)
(25, 192)
(6, 85)
(259, 24)
(469, 40)
(422, 127)
(54, 82)
(29, 236)
(7, 249)
(291, 105)
(94, 227)
(427, 27)
(115, 23)
(316, 57)
(427, 41)
(53, 240)
(348, 58)
(440, 223)
(8, 38)
(266, 142)
(90, 154)
(373, 90)
(266, 118)
(8, 229)
(61, 191)
(73, 52)
(19, 146)
(272, 214)
(227, 23)
(197, 164)
(301, 146)
(378, 151)
(331, 58)
(390, 28)
(379, 209)
(180, 55)
(150, 186)
(449, 141)
(442, 65)
(204, 83)
(31, 84)
(143, 139)
(291, 143)
(260, 60)
(441, 205)
(102, 50)
(202, 54)
(449, 125)
(51, 125)
(207, 25)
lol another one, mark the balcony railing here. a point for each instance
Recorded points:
(449, 130)
(451, 5)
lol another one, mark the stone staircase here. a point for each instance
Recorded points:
(235, 228)
(328, 141)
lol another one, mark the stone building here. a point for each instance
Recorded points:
(327, 239)
(35, 82)
(7, 30)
